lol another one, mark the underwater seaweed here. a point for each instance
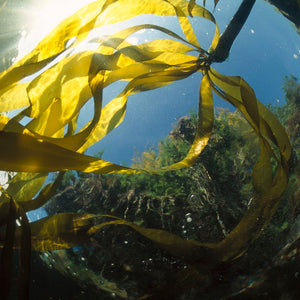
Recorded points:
(49, 141)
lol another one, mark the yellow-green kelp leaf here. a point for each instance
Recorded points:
(24, 186)
(268, 188)
(94, 15)
(61, 231)
(27, 154)
(191, 6)
(190, 250)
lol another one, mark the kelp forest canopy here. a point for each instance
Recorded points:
(50, 85)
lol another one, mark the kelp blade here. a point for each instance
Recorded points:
(268, 188)
(46, 105)
(61, 231)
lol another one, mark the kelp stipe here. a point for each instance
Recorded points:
(54, 98)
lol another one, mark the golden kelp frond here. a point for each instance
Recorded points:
(94, 15)
(61, 231)
(267, 187)
(22, 186)
(191, 6)
(33, 155)
(204, 126)
(188, 250)
(54, 97)
(55, 102)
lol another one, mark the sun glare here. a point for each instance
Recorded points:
(49, 14)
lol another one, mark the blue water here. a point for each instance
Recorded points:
(266, 50)
(36, 214)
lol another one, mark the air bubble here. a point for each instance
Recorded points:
(194, 197)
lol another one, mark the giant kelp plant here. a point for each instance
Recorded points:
(203, 202)
(66, 78)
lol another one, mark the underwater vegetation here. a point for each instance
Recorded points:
(204, 203)
(43, 136)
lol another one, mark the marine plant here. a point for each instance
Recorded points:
(51, 84)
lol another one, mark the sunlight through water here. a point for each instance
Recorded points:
(49, 15)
